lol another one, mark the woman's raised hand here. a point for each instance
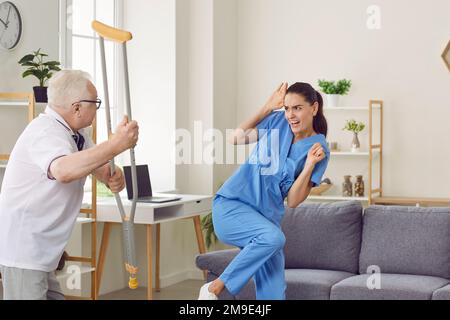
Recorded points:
(315, 155)
(276, 101)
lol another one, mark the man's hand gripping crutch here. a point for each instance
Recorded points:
(121, 37)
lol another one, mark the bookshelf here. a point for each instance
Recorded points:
(345, 162)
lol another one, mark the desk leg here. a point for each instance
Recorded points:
(158, 254)
(149, 262)
(200, 240)
(102, 255)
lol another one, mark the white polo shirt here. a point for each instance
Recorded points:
(37, 214)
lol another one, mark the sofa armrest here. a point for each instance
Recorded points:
(215, 262)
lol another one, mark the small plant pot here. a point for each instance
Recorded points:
(333, 100)
(40, 94)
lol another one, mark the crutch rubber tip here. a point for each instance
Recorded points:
(133, 283)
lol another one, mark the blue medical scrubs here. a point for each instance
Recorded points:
(248, 209)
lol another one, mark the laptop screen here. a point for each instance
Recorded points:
(143, 181)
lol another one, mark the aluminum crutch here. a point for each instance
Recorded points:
(122, 37)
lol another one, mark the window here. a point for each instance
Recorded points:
(80, 50)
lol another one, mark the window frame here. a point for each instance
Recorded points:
(65, 53)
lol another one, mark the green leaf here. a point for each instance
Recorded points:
(353, 126)
(28, 73)
(341, 87)
(54, 68)
(30, 64)
(26, 59)
(52, 63)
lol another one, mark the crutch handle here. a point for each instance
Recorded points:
(111, 33)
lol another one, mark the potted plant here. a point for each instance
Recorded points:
(334, 90)
(355, 127)
(36, 66)
(208, 228)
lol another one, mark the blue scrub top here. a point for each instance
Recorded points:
(264, 180)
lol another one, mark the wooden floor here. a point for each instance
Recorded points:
(186, 290)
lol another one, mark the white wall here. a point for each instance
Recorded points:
(195, 85)
(299, 40)
(194, 101)
(151, 56)
(225, 79)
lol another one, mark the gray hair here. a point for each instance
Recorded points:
(66, 86)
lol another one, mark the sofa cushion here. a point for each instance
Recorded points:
(302, 284)
(392, 287)
(216, 261)
(307, 284)
(442, 293)
(323, 236)
(406, 240)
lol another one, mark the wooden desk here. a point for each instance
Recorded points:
(149, 214)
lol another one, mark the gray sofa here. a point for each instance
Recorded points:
(339, 251)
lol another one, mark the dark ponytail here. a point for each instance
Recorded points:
(311, 96)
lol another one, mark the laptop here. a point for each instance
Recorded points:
(144, 186)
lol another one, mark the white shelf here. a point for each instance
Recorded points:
(3, 166)
(351, 108)
(63, 274)
(81, 220)
(338, 198)
(349, 153)
(14, 104)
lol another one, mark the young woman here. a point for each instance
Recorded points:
(290, 158)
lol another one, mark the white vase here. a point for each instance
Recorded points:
(333, 100)
(355, 143)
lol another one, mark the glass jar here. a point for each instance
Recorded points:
(347, 187)
(359, 186)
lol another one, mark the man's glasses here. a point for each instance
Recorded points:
(98, 102)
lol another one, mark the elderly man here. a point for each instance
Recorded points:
(42, 189)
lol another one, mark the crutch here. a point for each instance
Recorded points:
(121, 37)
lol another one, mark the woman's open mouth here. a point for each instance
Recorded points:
(294, 123)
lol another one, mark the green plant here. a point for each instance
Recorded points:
(208, 227)
(36, 66)
(341, 87)
(353, 126)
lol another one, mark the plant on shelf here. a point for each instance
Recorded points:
(42, 70)
(355, 127)
(334, 90)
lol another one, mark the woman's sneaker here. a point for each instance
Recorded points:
(205, 294)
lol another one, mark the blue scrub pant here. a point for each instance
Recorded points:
(261, 243)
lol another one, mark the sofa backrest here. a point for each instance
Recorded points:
(323, 236)
(406, 240)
